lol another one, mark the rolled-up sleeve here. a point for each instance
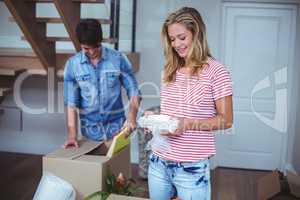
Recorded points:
(71, 88)
(127, 78)
(221, 83)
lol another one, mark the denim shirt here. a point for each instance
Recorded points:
(96, 91)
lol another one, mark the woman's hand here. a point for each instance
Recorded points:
(148, 112)
(181, 128)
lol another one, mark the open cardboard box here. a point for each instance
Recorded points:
(269, 185)
(294, 183)
(86, 172)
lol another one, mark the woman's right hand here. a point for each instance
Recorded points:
(148, 112)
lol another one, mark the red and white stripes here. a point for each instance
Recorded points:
(193, 97)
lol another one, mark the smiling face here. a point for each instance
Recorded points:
(180, 38)
(93, 52)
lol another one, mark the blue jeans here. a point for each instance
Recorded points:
(186, 180)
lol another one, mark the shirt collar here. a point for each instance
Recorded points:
(85, 59)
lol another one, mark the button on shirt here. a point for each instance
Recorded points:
(96, 91)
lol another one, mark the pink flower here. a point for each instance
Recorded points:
(121, 180)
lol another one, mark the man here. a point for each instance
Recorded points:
(93, 80)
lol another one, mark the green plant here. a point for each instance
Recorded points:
(117, 185)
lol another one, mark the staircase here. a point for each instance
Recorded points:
(43, 54)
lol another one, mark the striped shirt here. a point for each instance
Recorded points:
(193, 97)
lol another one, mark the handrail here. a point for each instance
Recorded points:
(115, 18)
(134, 7)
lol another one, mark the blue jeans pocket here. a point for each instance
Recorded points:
(195, 168)
(152, 158)
(192, 181)
(194, 174)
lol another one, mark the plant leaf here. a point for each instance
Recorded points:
(97, 195)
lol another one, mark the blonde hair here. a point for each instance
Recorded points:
(199, 52)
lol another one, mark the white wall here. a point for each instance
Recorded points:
(294, 150)
(10, 36)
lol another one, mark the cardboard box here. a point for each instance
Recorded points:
(271, 186)
(121, 197)
(134, 58)
(294, 183)
(87, 173)
(268, 186)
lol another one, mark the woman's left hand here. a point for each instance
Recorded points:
(182, 127)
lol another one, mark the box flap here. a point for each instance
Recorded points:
(268, 186)
(93, 158)
(119, 142)
(294, 183)
(85, 146)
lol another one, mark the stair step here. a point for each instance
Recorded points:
(26, 59)
(60, 73)
(9, 71)
(41, 1)
(90, 1)
(43, 72)
(79, 1)
(3, 91)
(13, 52)
(17, 59)
(26, 52)
(56, 20)
(66, 39)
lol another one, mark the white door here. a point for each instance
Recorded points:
(258, 45)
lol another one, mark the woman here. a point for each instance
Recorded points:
(197, 91)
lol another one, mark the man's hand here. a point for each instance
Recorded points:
(131, 125)
(71, 142)
(72, 128)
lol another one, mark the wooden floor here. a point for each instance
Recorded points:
(20, 175)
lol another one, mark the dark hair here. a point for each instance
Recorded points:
(89, 32)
